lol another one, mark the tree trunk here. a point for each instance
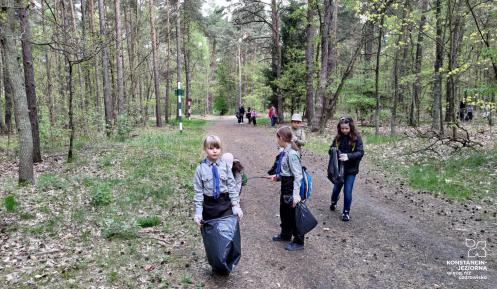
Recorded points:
(167, 101)
(155, 64)
(333, 46)
(309, 61)
(3, 128)
(7, 20)
(377, 77)
(178, 55)
(331, 102)
(396, 67)
(108, 105)
(95, 59)
(418, 64)
(436, 110)
(324, 72)
(29, 82)
(186, 56)
(212, 70)
(121, 97)
(456, 25)
(7, 85)
(276, 56)
(75, 31)
(239, 65)
(71, 113)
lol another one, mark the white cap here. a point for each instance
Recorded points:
(296, 117)
(228, 158)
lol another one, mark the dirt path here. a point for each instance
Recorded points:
(389, 243)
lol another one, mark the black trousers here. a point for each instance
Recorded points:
(216, 208)
(287, 213)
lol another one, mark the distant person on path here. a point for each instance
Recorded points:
(242, 112)
(350, 147)
(469, 112)
(289, 172)
(297, 130)
(248, 115)
(273, 115)
(253, 116)
(462, 111)
(237, 114)
(214, 185)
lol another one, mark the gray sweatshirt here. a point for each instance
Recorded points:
(290, 166)
(203, 183)
(298, 136)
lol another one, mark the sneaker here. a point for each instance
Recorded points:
(279, 238)
(345, 217)
(333, 206)
(294, 247)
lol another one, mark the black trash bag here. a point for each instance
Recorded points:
(222, 243)
(304, 219)
(335, 167)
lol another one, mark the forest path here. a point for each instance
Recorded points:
(388, 243)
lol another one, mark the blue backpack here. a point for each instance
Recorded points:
(306, 185)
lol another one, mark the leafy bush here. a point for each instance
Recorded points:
(124, 127)
(115, 229)
(10, 203)
(101, 198)
(100, 191)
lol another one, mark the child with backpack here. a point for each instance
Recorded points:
(349, 144)
(215, 187)
(253, 116)
(237, 170)
(289, 172)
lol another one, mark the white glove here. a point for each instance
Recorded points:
(198, 219)
(237, 211)
(296, 200)
(343, 157)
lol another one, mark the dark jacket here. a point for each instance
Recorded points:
(354, 152)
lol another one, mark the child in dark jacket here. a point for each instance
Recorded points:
(350, 147)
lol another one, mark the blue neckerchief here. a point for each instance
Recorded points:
(216, 191)
(278, 163)
(215, 181)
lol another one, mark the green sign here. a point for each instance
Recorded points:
(179, 92)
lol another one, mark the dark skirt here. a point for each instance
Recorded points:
(216, 208)
(287, 213)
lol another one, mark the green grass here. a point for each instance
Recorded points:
(370, 138)
(50, 226)
(263, 120)
(114, 188)
(10, 203)
(149, 221)
(319, 144)
(100, 190)
(51, 181)
(460, 177)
